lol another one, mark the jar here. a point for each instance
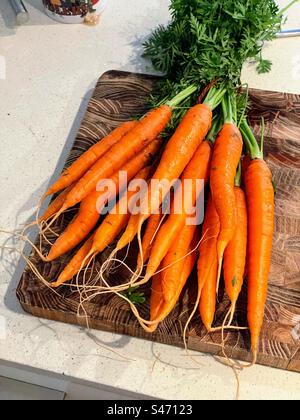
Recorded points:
(75, 11)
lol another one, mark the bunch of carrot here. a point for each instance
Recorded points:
(237, 230)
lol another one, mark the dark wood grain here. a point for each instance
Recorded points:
(118, 96)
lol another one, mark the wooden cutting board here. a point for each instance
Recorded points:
(118, 96)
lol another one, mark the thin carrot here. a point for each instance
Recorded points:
(169, 283)
(117, 219)
(261, 213)
(148, 237)
(129, 233)
(85, 161)
(174, 261)
(208, 265)
(197, 169)
(156, 298)
(55, 205)
(90, 208)
(147, 129)
(77, 262)
(226, 156)
(107, 232)
(235, 253)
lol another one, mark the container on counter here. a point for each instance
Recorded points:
(75, 11)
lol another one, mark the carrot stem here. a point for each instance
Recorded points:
(215, 128)
(250, 140)
(214, 97)
(229, 109)
(181, 96)
(262, 138)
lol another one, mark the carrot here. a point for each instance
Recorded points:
(55, 205)
(147, 129)
(90, 209)
(261, 213)
(174, 261)
(168, 284)
(129, 233)
(85, 161)
(178, 152)
(148, 238)
(156, 298)
(197, 169)
(235, 253)
(109, 229)
(77, 262)
(117, 220)
(208, 265)
(226, 156)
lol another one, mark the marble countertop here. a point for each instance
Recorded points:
(47, 74)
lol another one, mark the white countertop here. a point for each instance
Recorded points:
(50, 72)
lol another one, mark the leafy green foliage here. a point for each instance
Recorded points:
(208, 40)
(134, 296)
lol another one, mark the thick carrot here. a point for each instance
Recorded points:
(226, 156)
(148, 237)
(177, 154)
(90, 208)
(261, 212)
(55, 205)
(235, 253)
(77, 262)
(260, 202)
(85, 161)
(147, 129)
(208, 265)
(197, 169)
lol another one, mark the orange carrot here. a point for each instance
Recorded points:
(179, 151)
(147, 129)
(174, 261)
(55, 205)
(148, 238)
(90, 209)
(261, 212)
(226, 156)
(156, 298)
(85, 161)
(177, 154)
(116, 221)
(197, 169)
(77, 262)
(171, 280)
(208, 265)
(235, 253)
(130, 144)
(104, 235)
(260, 202)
